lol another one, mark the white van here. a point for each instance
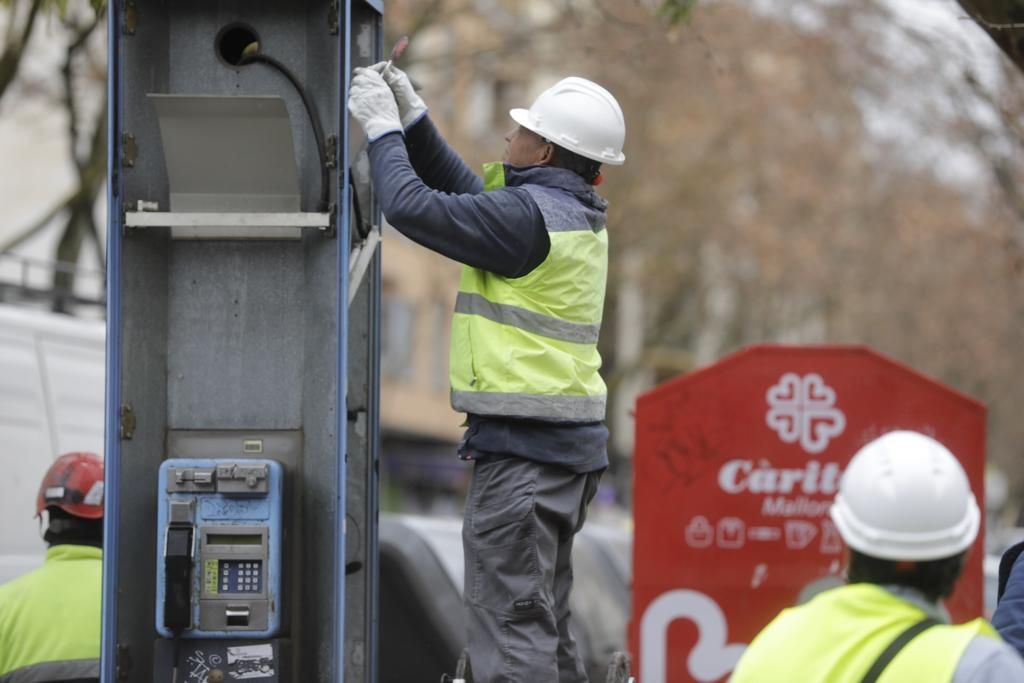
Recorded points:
(51, 402)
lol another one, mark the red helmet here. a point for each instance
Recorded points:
(74, 483)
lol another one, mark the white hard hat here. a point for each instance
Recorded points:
(580, 116)
(904, 496)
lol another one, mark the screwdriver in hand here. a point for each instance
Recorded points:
(397, 50)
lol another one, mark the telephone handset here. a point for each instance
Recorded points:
(178, 553)
(220, 561)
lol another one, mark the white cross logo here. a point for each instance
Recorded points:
(803, 409)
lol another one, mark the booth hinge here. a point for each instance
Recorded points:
(127, 427)
(332, 151)
(124, 662)
(131, 18)
(332, 17)
(130, 149)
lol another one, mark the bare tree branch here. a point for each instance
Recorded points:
(10, 58)
(67, 73)
(78, 207)
(80, 224)
(39, 225)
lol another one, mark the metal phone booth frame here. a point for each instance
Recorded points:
(243, 309)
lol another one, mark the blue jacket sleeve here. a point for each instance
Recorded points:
(1009, 615)
(501, 231)
(436, 163)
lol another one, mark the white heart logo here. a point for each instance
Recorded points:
(802, 409)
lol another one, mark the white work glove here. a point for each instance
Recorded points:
(411, 106)
(371, 103)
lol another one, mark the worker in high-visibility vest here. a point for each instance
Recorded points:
(907, 514)
(532, 239)
(50, 617)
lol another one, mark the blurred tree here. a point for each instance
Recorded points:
(800, 171)
(79, 89)
(21, 20)
(960, 105)
(677, 10)
(809, 172)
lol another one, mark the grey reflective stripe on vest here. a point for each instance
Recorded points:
(569, 408)
(45, 672)
(528, 321)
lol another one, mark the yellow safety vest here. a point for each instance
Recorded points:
(839, 634)
(50, 618)
(527, 347)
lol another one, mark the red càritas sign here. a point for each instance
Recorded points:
(735, 468)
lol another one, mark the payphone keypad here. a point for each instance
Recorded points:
(241, 576)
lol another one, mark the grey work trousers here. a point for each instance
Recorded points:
(517, 534)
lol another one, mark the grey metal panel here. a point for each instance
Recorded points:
(145, 60)
(357, 553)
(318, 69)
(320, 405)
(143, 347)
(144, 373)
(283, 32)
(282, 446)
(361, 608)
(361, 494)
(321, 74)
(235, 348)
(228, 153)
(300, 39)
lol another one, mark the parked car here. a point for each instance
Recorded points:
(422, 628)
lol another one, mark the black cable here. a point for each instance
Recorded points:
(314, 119)
(177, 653)
(362, 229)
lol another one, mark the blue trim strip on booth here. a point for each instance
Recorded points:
(112, 440)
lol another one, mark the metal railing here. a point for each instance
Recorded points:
(59, 285)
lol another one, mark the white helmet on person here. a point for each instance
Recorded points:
(904, 496)
(580, 116)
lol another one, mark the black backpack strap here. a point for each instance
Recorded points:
(894, 648)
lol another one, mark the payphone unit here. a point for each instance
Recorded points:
(219, 548)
